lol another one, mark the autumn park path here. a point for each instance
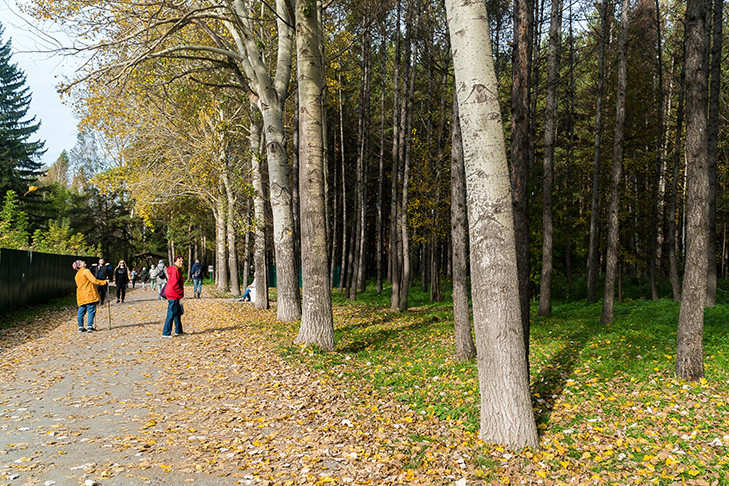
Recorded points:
(217, 406)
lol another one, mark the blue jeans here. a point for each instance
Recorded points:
(197, 284)
(173, 314)
(82, 310)
(246, 295)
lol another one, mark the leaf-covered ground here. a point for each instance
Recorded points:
(233, 402)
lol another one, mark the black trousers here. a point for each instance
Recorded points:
(102, 293)
(121, 291)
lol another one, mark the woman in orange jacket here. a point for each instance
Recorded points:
(87, 296)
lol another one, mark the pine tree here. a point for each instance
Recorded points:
(19, 157)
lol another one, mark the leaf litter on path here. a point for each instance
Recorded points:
(216, 406)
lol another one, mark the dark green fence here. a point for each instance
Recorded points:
(29, 278)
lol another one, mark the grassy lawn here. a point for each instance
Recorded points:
(608, 405)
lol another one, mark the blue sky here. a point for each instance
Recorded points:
(43, 72)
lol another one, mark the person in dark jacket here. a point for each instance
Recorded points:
(197, 276)
(144, 277)
(174, 292)
(121, 278)
(101, 271)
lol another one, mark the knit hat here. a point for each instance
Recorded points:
(77, 264)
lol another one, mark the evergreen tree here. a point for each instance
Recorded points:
(19, 164)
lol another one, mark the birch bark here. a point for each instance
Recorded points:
(317, 325)
(506, 411)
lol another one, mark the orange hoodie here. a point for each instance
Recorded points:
(86, 283)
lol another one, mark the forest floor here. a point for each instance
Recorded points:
(234, 402)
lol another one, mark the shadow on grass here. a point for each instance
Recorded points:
(550, 382)
(383, 335)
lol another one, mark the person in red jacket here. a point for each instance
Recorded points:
(174, 292)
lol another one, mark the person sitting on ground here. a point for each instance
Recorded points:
(87, 295)
(250, 293)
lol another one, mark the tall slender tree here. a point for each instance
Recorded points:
(713, 139)
(465, 348)
(520, 157)
(506, 410)
(611, 268)
(592, 257)
(550, 136)
(317, 325)
(689, 352)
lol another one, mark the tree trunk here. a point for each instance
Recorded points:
(221, 265)
(343, 271)
(381, 168)
(507, 416)
(592, 256)
(713, 135)
(247, 244)
(395, 177)
(672, 231)
(259, 215)
(287, 282)
(550, 135)
(232, 243)
(335, 227)
(406, 135)
(689, 351)
(520, 158)
(317, 325)
(364, 151)
(465, 349)
(295, 199)
(655, 223)
(608, 301)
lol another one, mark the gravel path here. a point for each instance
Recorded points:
(214, 407)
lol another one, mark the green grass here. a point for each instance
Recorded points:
(590, 383)
(27, 315)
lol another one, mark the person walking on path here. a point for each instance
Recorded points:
(174, 292)
(197, 275)
(121, 278)
(134, 275)
(87, 294)
(143, 277)
(101, 271)
(160, 274)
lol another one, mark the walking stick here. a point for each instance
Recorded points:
(108, 307)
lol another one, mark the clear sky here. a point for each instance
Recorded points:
(43, 72)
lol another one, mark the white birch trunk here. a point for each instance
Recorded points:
(232, 240)
(506, 409)
(259, 215)
(221, 265)
(317, 325)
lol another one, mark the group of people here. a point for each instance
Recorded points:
(92, 284)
